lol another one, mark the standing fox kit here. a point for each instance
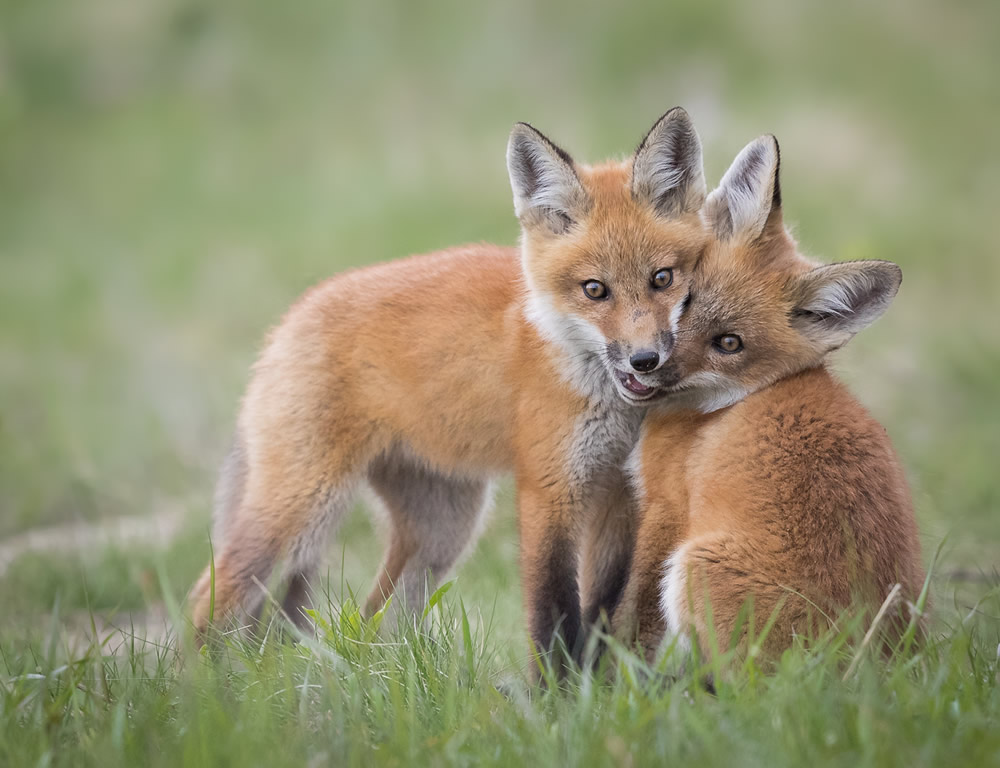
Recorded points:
(764, 480)
(425, 378)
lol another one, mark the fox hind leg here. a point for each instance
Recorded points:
(711, 583)
(434, 519)
(297, 597)
(276, 546)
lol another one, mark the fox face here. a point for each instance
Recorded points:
(758, 310)
(608, 252)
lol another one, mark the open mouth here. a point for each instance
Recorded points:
(636, 389)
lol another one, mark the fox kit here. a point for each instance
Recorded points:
(763, 479)
(425, 378)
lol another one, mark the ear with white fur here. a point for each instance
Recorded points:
(546, 187)
(749, 193)
(667, 170)
(834, 302)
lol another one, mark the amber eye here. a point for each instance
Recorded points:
(595, 289)
(662, 278)
(728, 343)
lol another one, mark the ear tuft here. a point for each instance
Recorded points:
(546, 187)
(834, 302)
(749, 193)
(667, 170)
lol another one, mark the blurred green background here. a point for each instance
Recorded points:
(173, 174)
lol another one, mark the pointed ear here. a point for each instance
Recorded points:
(834, 302)
(546, 187)
(749, 195)
(667, 170)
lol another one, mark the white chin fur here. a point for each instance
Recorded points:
(583, 367)
(705, 392)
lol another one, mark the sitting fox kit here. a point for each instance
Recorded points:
(763, 479)
(427, 377)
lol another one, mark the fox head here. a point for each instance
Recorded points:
(759, 310)
(607, 252)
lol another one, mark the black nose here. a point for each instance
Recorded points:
(645, 361)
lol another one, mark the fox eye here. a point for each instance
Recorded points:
(595, 289)
(728, 343)
(662, 278)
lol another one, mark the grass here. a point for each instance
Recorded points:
(174, 173)
(453, 695)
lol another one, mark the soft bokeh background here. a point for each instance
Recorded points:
(173, 174)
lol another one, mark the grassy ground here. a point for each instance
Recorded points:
(173, 174)
(454, 695)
